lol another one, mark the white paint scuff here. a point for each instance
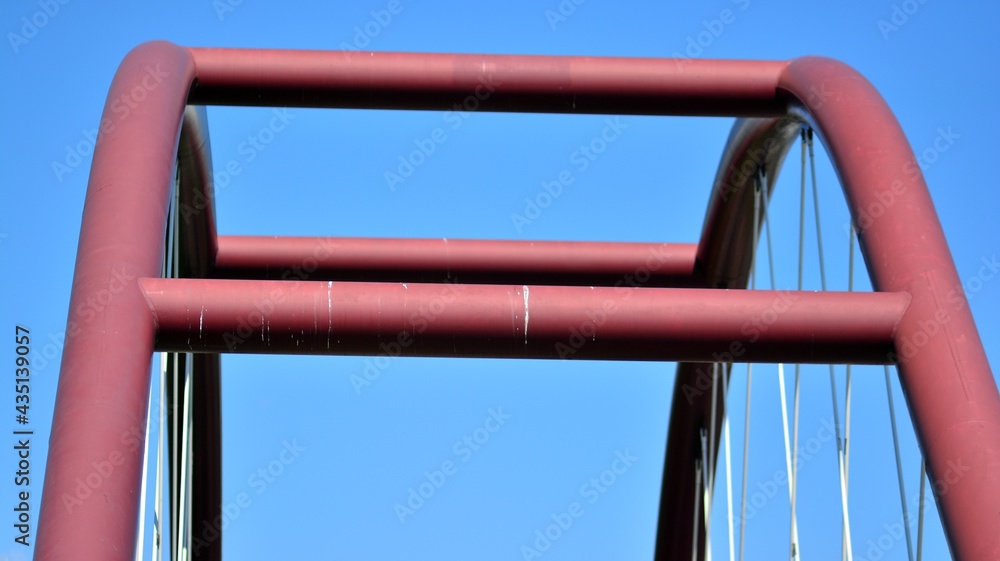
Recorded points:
(525, 287)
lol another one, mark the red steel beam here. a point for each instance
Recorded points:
(348, 318)
(462, 261)
(548, 84)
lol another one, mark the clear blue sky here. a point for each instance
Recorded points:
(324, 174)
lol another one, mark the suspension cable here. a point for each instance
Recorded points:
(697, 506)
(920, 515)
(706, 493)
(847, 389)
(798, 367)
(168, 269)
(781, 366)
(847, 549)
(184, 501)
(140, 538)
(726, 368)
(899, 464)
(710, 455)
(758, 180)
(158, 497)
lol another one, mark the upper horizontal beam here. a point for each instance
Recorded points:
(549, 84)
(464, 261)
(491, 321)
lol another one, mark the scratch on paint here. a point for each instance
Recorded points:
(525, 314)
(201, 321)
(329, 312)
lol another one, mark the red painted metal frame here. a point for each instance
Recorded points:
(104, 382)
(459, 261)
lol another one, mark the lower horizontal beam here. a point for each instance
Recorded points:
(464, 261)
(695, 325)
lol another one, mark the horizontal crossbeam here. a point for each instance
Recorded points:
(464, 261)
(465, 82)
(457, 320)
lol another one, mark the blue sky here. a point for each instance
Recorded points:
(360, 449)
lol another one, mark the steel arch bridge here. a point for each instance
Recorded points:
(522, 298)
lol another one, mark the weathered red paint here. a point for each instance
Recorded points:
(491, 321)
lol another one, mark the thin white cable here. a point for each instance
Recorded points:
(746, 457)
(846, 536)
(920, 516)
(899, 464)
(158, 499)
(729, 461)
(182, 515)
(175, 469)
(798, 367)
(781, 366)
(847, 549)
(165, 464)
(795, 464)
(169, 270)
(712, 449)
(706, 494)
(140, 538)
(709, 454)
(746, 421)
(697, 510)
(190, 471)
(847, 389)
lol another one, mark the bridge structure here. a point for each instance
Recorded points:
(195, 294)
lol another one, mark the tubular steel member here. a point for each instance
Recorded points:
(464, 261)
(339, 318)
(104, 383)
(510, 83)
